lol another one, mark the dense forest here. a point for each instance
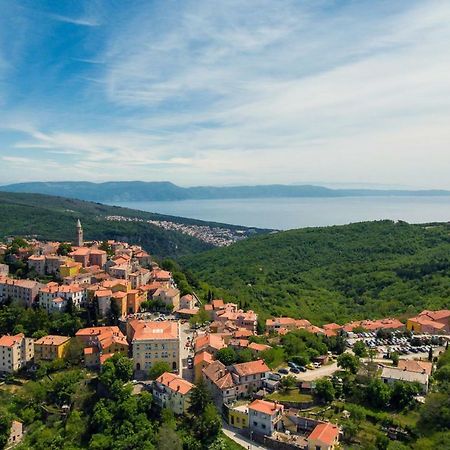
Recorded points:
(54, 218)
(334, 274)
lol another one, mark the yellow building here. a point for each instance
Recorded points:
(201, 361)
(50, 347)
(69, 269)
(238, 416)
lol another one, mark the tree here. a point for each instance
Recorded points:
(325, 390)
(158, 369)
(382, 442)
(244, 355)
(288, 382)
(226, 356)
(64, 249)
(395, 358)
(168, 439)
(114, 312)
(199, 398)
(348, 362)
(360, 349)
(207, 426)
(403, 394)
(5, 427)
(350, 430)
(378, 394)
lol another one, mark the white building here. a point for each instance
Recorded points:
(264, 417)
(54, 297)
(15, 352)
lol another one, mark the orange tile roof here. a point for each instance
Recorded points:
(217, 304)
(265, 407)
(149, 330)
(415, 366)
(251, 368)
(209, 340)
(80, 251)
(103, 293)
(52, 340)
(175, 383)
(10, 341)
(325, 432)
(258, 347)
(203, 357)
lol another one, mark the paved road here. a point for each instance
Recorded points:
(241, 440)
(185, 333)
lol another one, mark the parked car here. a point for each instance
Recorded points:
(274, 376)
(284, 371)
(302, 368)
(291, 364)
(295, 370)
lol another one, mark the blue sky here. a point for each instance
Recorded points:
(226, 92)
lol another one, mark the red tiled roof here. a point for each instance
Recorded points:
(175, 383)
(251, 368)
(325, 432)
(265, 407)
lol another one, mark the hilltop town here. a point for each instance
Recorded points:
(272, 383)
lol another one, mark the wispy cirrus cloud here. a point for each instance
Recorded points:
(258, 91)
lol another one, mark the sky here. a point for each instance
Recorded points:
(226, 92)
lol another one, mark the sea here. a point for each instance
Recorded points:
(288, 213)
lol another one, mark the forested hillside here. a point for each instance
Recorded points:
(370, 269)
(54, 218)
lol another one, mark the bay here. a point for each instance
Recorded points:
(287, 213)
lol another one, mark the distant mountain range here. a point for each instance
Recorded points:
(123, 191)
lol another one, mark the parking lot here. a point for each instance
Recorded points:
(400, 343)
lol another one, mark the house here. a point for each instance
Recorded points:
(103, 298)
(258, 348)
(325, 436)
(100, 341)
(250, 375)
(15, 434)
(284, 324)
(50, 347)
(172, 392)
(211, 343)
(152, 342)
(390, 375)
(69, 269)
(265, 417)
(37, 263)
(432, 322)
(237, 381)
(188, 301)
(238, 416)
(169, 296)
(15, 352)
(415, 366)
(220, 383)
(201, 360)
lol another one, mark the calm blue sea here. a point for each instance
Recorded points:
(287, 213)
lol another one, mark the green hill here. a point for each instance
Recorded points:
(54, 218)
(338, 273)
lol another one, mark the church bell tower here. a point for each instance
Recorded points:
(79, 241)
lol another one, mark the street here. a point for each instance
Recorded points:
(241, 440)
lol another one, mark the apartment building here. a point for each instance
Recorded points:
(172, 392)
(50, 347)
(54, 297)
(152, 342)
(15, 352)
(23, 291)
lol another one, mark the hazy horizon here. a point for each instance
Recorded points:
(226, 93)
